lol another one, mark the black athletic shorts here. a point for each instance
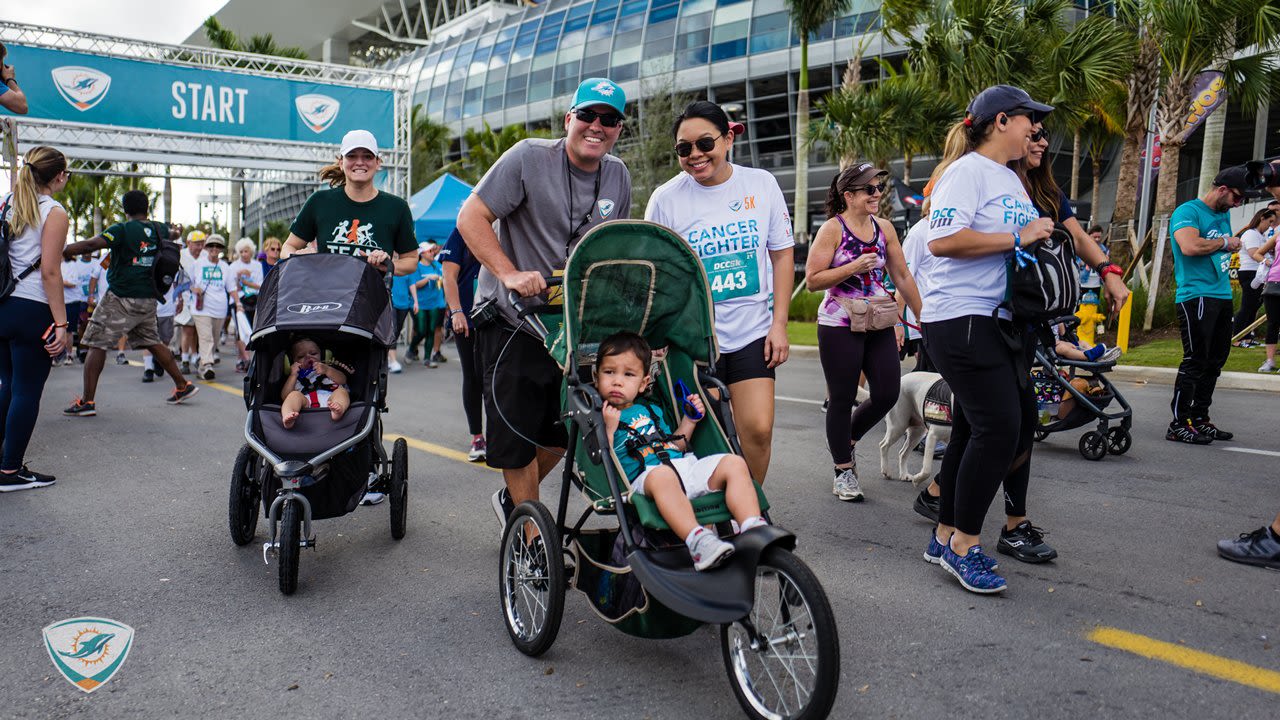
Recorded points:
(522, 391)
(744, 364)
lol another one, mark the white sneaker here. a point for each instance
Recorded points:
(372, 498)
(708, 550)
(846, 486)
(1267, 366)
(1111, 355)
(395, 368)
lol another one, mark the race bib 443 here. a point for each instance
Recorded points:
(732, 275)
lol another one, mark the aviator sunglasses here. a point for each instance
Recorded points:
(704, 145)
(608, 120)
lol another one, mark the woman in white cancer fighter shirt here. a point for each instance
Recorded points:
(735, 218)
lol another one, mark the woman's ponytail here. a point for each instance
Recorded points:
(333, 174)
(835, 198)
(39, 168)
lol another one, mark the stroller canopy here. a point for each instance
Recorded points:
(325, 292)
(638, 276)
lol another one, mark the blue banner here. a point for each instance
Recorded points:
(97, 90)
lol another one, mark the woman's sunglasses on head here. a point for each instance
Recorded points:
(608, 120)
(704, 144)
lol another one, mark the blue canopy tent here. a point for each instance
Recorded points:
(435, 208)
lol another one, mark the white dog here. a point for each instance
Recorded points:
(907, 419)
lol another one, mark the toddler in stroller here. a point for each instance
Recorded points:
(313, 384)
(656, 462)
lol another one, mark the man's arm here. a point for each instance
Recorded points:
(79, 248)
(475, 222)
(1191, 243)
(13, 99)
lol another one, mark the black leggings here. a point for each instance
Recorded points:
(1272, 304)
(845, 356)
(472, 380)
(24, 367)
(1250, 301)
(993, 416)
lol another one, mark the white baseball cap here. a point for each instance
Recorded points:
(359, 139)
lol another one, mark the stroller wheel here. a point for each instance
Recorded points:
(290, 545)
(242, 506)
(1118, 441)
(531, 578)
(399, 488)
(1093, 446)
(789, 665)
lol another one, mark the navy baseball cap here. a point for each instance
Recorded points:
(1005, 99)
(600, 91)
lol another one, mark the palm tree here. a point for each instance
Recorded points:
(484, 147)
(1140, 94)
(78, 199)
(1103, 128)
(428, 149)
(224, 39)
(1195, 35)
(807, 17)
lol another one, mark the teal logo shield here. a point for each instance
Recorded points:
(88, 651)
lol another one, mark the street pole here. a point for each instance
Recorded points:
(1153, 287)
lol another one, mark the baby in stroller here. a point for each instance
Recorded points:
(655, 460)
(313, 384)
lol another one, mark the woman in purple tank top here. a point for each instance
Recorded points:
(854, 256)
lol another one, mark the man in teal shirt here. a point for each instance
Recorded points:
(1202, 247)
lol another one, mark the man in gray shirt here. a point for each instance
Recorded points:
(545, 195)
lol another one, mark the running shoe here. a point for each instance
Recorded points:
(69, 360)
(242, 366)
(121, 359)
(411, 356)
(1185, 432)
(502, 506)
(1260, 547)
(430, 362)
(933, 553)
(1111, 355)
(395, 368)
(846, 485)
(24, 479)
(207, 373)
(80, 408)
(372, 498)
(1208, 429)
(1026, 543)
(186, 367)
(478, 450)
(973, 570)
(439, 357)
(708, 550)
(178, 396)
(928, 506)
(148, 375)
(1267, 366)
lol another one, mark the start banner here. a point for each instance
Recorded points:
(97, 90)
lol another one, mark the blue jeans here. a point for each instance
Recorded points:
(24, 366)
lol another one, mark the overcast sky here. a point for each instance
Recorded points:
(163, 21)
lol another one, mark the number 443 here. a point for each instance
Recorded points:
(729, 281)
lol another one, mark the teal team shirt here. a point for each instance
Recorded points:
(1201, 275)
(639, 418)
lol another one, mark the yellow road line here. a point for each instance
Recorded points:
(439, 450)
(1184, 657)
(238, 392)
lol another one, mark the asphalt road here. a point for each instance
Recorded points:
(136, 530)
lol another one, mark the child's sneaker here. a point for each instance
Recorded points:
(749, 524)
(1111, 355)
(846, 485)
(973, 570)
(708, 550)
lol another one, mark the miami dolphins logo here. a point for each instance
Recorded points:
(81, 86)
(317, 111)
(606, 207)
(88, 651)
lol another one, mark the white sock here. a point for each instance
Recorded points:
(753, 522)
(149, 362)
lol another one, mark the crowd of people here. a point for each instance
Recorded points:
(940, 290)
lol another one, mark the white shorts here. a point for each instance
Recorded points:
(694, 472)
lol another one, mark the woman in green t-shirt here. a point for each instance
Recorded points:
(353, 217)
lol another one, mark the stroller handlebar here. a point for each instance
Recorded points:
(518, 302)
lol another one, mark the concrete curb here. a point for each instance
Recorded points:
(1259, 382)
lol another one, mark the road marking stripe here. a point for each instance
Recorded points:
(1251, 451)
(806, 401)
(439, 450)
(423, 445)
(1184, 657)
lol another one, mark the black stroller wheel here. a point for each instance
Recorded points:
(290, 545)
(1093, 446)
(1118, 441)
(242, 506)
(399, 488)
(791, 668)
(531, 578)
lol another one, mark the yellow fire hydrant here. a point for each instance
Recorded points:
(1089, 317)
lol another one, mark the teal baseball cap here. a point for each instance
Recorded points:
(600, 91)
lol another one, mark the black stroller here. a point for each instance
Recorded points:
(320, 468)
(1054, 375)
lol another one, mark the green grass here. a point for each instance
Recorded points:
(802, 332)
(1168, 353)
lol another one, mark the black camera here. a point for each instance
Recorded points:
(486, 314)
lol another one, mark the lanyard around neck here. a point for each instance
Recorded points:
(586, 218)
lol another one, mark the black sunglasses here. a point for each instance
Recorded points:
(704, 144)
(608, 120)
(878, 188)
(1041, 134)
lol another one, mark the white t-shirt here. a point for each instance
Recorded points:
(982, 195)
(1250, 240)
(915, 250)
(254, 276)
(25, 250)
(732, 227)
(77, 273)
(98, 273)
(216, 280)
